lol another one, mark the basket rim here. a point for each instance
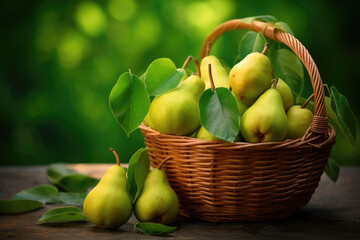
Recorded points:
(309, 139)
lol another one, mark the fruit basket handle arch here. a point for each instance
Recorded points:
(320, 121)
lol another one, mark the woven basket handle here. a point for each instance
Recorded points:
(320, 121)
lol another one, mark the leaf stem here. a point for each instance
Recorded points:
(116, 156)
(307, 101)
(265, 48)
(186, 62)
(163, 162)
(211, 79)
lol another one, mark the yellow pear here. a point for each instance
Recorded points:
(219, 73)
(286, 94)
(177, 112)
(265, 120)
(108, 204)
(299, 121)
(251, 76)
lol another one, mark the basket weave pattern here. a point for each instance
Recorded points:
(222, 182)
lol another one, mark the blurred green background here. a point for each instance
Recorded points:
(60, 59)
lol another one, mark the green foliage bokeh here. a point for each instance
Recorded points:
(60, 59)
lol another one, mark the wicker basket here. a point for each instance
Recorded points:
(223, 182)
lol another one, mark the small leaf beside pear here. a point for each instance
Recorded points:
(149, 228)
(19, 206)
(43, 193)
(63, 214)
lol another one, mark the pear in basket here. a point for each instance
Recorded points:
(157, 201)
(285, 92)
(265, 120)
(299, 119)
(177, 112)
(219, 73)
(108, 204)
(251, 76)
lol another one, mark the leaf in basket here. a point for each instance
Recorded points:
(263, 18)
(162, 76)
(284, 27)
(250, 42)
(138, 169)
(129, 102)
(344, 115)
(289, 68)
(219, 114)
(332, 169)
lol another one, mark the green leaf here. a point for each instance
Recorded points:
(55, 172)
(63, 214)
(43, 193)
(149, 228)
(250, 42)
(262, 18)
(162, 76)
(284, 27)
(138, 169)
(289, 68)
(72, 198)
(219, 114)
(19, 206)
(332, 169)
(344, 115)
(129, 102)
(77, 183)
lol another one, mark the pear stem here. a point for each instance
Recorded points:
(276, 80)
(163, 162)
(129, 70)
(197, 67)
(211, 79)
(186, 62)
(116, 156)
(307, 101)
(265, 48)
(208, 46)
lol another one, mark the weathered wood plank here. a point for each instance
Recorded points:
(333, 213)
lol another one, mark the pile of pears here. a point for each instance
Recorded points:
(108, 204)
(265, 103)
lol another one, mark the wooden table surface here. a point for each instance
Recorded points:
(333, 213)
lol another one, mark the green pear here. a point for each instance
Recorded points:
(218, 72)
(251, 76)
(177, 112)
(205, 135)
(157, 201)
(299, 121)
(108, 204)
(286, 94)
(265, 120)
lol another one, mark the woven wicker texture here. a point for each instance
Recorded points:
(222, 182)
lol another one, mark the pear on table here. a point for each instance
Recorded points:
(251, 76)
(177, 112)
(265, 120)
(108, 204)
(157, 201)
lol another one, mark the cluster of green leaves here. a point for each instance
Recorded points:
(130, 97)
(68, 179)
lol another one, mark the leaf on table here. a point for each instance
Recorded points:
(19, 206)
(219, 114)
(77, 183)
(72, 198)
(129, 102)
(332, 169)
(249, 43)
(57, 171)
(63, 214)
(43, 193)
(138, 169)
(149, 228)
(344, 115)
(162, 76)
(289, 68)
